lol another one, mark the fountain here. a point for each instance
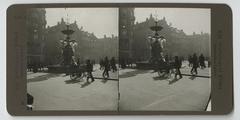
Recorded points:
(67, 53)
(156, 48)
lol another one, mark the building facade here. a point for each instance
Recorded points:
(177, 42)
(87, 45)
(36, 27)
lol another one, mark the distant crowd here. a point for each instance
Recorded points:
(170, 62)
(106, 64)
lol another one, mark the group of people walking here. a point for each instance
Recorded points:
(194, 61)
(108, 64)
(105, 64)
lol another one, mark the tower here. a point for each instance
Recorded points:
(36, 27)
(126, 24)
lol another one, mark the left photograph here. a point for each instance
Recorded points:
(72, 59)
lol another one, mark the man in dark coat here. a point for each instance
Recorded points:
(101, 64)
(190, 61)
(78, 62)
(89, 68)
(202, 61)
(106, 68)
(195, 64)
(177, 65)
(30, 101)
(113, 64)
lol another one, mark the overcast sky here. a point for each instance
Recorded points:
(189, 19)
(100, 21)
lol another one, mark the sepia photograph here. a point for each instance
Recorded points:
(119, 59)
(72, 57)
(164, 59)
(100, 59)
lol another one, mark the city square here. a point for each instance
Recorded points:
(134, 62)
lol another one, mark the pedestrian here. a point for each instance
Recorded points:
(101, 64)
(30, 100)
(177, 65)
(166, 59)
(209, 62)
(122, 63)
(113, 64)
(78, 62)
(89, 68)
(202, 61)
(194, 64)
(190, 61)
(35, 67)
(106, 68)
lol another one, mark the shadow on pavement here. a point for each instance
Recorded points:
(132, 73)
(173, 81)
(160, 78)
(42, 78)
(85, 84)
(192, 77)
(104, 80)
(72, 81)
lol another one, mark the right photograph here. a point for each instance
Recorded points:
(164, 59)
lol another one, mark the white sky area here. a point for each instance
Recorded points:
(99, 21)
(189, 19)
